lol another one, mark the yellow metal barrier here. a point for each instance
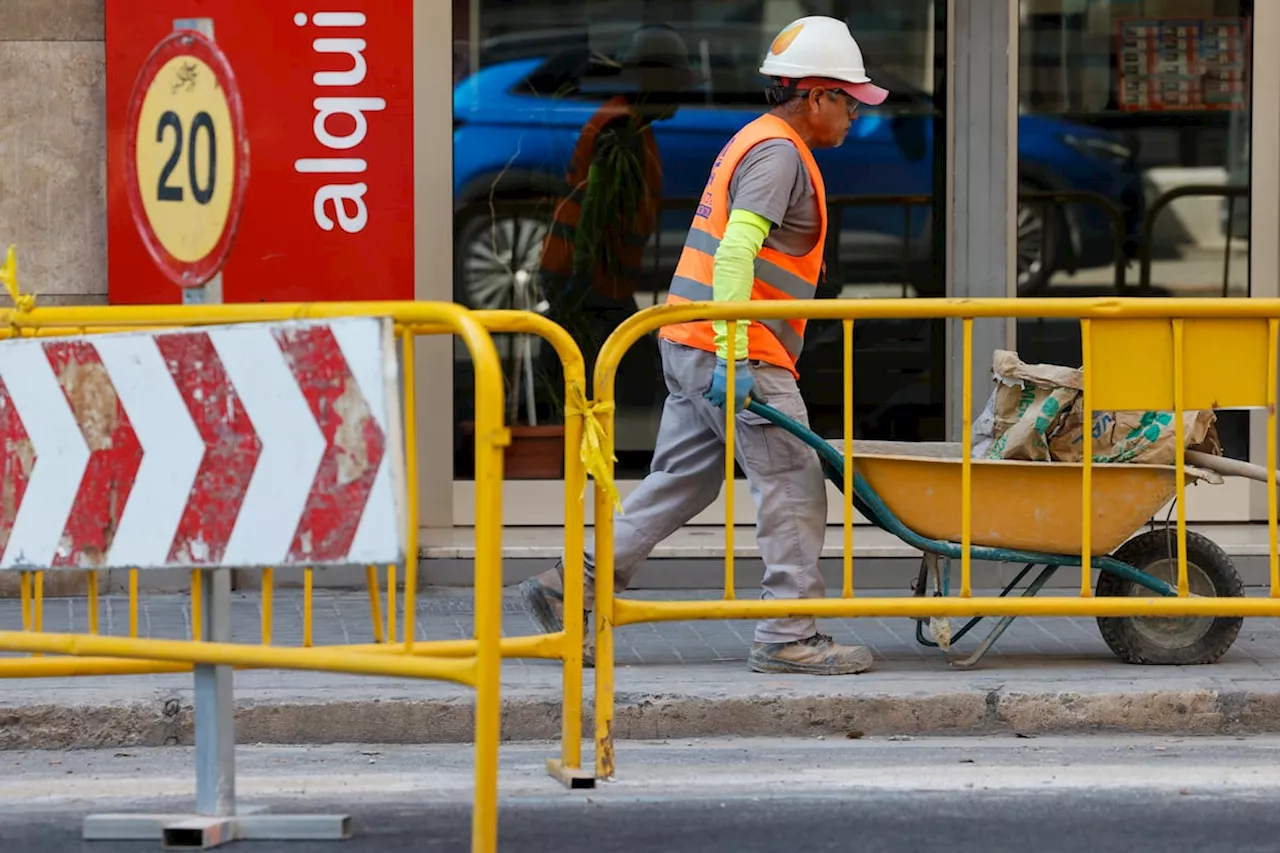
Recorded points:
(566, 645)
(476, 662)
(1138, 354)
(32, 583)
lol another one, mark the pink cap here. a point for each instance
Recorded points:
(867, 93)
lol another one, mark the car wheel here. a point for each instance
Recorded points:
(1039, 232)
(496, 262)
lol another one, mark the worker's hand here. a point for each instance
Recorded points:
(743, 384)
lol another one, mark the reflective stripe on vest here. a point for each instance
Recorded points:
(790, 339)
(627, 240)
(767, 271)
(777, 275)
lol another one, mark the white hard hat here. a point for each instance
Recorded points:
(823, 48)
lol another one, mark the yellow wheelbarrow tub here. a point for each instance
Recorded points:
(1020, 506)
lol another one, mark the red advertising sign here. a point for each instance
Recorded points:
(327, 93)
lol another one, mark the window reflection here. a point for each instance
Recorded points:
(583, 135)
(1149, 105)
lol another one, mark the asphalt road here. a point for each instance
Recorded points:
(958, 795)
(956, 822)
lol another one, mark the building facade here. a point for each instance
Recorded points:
(1031, 147)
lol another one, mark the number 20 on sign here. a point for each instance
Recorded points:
(187, 157)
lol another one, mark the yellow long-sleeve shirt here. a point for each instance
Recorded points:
(734, 272)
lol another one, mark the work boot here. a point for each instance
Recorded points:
(544, 596)
(818, 655)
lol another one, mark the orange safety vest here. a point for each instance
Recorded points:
(777, 274)
(624, 239)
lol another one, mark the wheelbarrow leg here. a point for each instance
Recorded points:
(939, 568)
(940, 626)
(972, 623)
(1001, 626)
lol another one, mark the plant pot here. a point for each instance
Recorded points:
(535, 453)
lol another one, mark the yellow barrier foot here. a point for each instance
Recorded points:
(570, 777)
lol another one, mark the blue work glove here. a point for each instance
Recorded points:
(743, 384)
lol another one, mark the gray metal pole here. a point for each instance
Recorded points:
(982, 155)
(215, 705)
(210, 293)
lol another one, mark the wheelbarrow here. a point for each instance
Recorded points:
(1029, 513)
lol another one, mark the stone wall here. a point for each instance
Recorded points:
(52, 147)
(52, 165)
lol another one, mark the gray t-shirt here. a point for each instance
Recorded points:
(772, 181)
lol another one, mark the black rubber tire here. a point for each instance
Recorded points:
(1053, 243)
(1123, 634)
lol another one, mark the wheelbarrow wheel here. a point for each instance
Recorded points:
(1176, 641)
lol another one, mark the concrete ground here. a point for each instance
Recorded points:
(673, 680)
(1099, 793)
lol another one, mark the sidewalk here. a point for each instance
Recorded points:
(674, 680)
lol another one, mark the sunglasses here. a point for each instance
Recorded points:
(850, 103)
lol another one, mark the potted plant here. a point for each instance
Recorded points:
(536, 451)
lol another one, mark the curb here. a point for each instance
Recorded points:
(658, 717)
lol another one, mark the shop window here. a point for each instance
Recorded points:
(1137, 182)
(530, 76)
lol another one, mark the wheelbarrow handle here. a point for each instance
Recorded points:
(1231, 467)
(826, 452)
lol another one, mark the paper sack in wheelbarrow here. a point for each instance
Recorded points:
(1036, 413)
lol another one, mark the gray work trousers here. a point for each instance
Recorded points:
(784, 474)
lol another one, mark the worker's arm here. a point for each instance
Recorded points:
(734, 272)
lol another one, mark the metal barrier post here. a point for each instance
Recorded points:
(1051, 198)
(218, 820)
(1227, 191)
(215, 708)
(567, 644)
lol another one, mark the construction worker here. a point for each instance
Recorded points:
(592, 257)
(759, 233)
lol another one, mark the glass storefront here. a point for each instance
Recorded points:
(1133, 147)
(539, 83)
(1133, 171)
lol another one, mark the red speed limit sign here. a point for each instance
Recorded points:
(186, 157)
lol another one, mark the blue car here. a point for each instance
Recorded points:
(517, 120)
(515, 129)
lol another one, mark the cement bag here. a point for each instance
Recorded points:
(1148, 438)
(1025, 410)
(1036, 414)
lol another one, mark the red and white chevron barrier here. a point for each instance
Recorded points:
(270, 444)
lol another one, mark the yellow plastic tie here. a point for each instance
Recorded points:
(592, 451)
(23, 303)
